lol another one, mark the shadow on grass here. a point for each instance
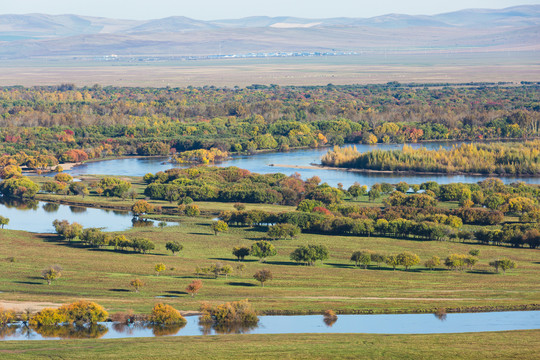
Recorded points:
(237, 283)
(119, 290)
(482, 272)
(30, 282)
(234, 260)
(176, 292)
(282, 263)
(200, 233)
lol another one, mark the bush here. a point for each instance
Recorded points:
(163, 314)
(283, 231)
(503, 264)
(47, 317)
(84, 312)
(230, 313)
(6, 316)
(51, 273)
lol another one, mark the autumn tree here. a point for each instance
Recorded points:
(194, 287)
(263, 276)
(219, 226)
(141, 207)
(408, 259)
(137, 284)
(159, 268)
(51, 273)
(3, 221)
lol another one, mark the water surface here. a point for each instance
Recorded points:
(313, 324)
(260, 163)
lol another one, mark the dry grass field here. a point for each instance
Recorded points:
(446, 67)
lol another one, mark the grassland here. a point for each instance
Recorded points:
(103, 275)
(493, 345)
(447, 67)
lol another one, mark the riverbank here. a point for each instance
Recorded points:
(394, 172)
(523, 345)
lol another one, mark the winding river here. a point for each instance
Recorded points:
(260, 163)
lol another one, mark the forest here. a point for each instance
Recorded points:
(490, 158)
(44, 126)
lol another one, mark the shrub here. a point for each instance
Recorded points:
(192, 210)
(230, 313)
(6, 316)
(47, 317)
(159, 268)
(219, 226)
(84, 312)
(163, 314)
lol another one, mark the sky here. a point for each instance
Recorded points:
(229, 9)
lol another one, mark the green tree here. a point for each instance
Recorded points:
(192, 210)
(263, 249)
(361, 258)
(310, 254)
(174, 247)
(240, 252)
(503, 264)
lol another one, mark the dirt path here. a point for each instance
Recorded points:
(33, 306)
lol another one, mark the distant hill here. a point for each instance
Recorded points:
(39, 35)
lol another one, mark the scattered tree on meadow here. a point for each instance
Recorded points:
(408, 259)
(174, 247)
(219, 226)
(4, 221)
(263, 276)
(240, 252)
(362, 258)
(310, 254)
(159, 268)
(141, 207)
(137, 284)
(51, 273)
(503, 264)
(432, 263)
(194, 287)
(263, 249)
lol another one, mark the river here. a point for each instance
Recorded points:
(260, 163)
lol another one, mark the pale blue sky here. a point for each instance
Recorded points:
(227, 9)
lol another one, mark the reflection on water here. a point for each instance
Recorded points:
(35, 216)
(51, 207)
(71, 331)
(77, 209)
(221, 329)
(369, 324)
